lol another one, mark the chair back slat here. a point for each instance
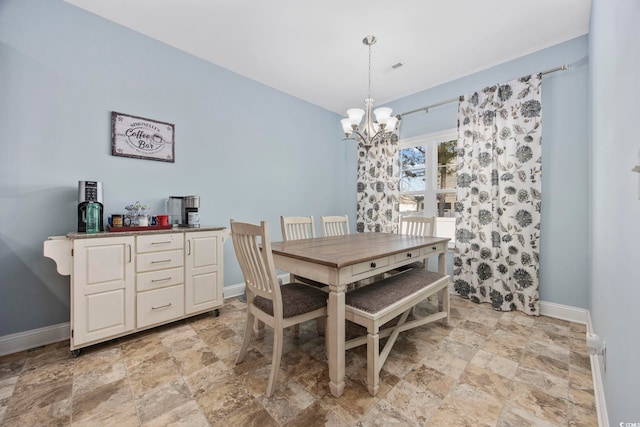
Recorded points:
(253, 250)
(418, 225)
(297, 227)
(335, 225)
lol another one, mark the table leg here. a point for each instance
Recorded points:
(442, 269)
(335, 336)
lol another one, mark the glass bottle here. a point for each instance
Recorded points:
(93, 222)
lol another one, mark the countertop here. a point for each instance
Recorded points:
(79, 235)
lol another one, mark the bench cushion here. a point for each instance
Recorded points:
(379, 295)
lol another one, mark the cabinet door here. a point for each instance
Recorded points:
(103, 289)
(203, 271)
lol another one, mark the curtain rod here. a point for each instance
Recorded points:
(428, 107)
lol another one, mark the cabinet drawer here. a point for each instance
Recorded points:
(159, 242)
(160, 305)
(159, 279)
(433, 248)
(409, 255)
(369, 266)
(159, 260)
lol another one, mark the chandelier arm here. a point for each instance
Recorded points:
(361, 138)
(378, 135)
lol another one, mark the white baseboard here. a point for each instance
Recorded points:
(598, 385)
(233, 290)
(34, 338)
(564, 312)
(551, 309)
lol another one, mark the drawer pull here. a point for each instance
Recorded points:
(162, 306)
(434, 248)
(160, 280)
(160, 243)
(373, 265)
(162, 260)
(409, 255)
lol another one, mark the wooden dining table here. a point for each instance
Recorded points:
(341, 260)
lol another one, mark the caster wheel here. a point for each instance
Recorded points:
(216, 312)
(75, 353)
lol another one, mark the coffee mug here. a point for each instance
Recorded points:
(154, 220)
(163, 219)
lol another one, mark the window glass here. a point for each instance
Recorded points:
(427, 185)
(412, 166)
(447, 165)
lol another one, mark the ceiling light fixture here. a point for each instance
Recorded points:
(371, 132)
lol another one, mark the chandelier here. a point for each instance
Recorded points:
(371, 132)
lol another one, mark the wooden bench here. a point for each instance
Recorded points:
(374, 305)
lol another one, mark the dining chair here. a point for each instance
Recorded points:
(297, 227)
(417, 226)
(272, 304)
(334, 225)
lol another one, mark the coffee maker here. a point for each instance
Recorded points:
(89, 191)
(183, 211)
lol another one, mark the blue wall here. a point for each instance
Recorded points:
(243, 147)
(614, 59)
(564, 268)
(249, 151)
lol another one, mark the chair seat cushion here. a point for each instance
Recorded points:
(297, 299)
(379, 295)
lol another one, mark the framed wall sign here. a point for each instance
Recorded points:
(133, 136)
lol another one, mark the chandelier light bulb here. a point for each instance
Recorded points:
(355, 116)
(391, 124)
(383, 115)
(346, 127)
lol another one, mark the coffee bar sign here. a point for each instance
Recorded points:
(142, 138)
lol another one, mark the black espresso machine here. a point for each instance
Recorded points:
(89, 191)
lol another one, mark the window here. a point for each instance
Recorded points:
(428, 178)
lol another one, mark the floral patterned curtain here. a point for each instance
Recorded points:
(499, 195)
(377, 192)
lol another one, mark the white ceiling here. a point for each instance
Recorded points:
(313, 49)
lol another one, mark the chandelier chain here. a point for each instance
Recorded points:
(369, 71)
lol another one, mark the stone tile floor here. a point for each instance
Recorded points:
(485, 368)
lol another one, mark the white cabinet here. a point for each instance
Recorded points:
(102, 282)
(123, 284)
(203, 271)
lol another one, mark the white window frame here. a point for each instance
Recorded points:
(445, 226)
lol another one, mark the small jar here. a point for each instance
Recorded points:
(117, 220)
(143, 221)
